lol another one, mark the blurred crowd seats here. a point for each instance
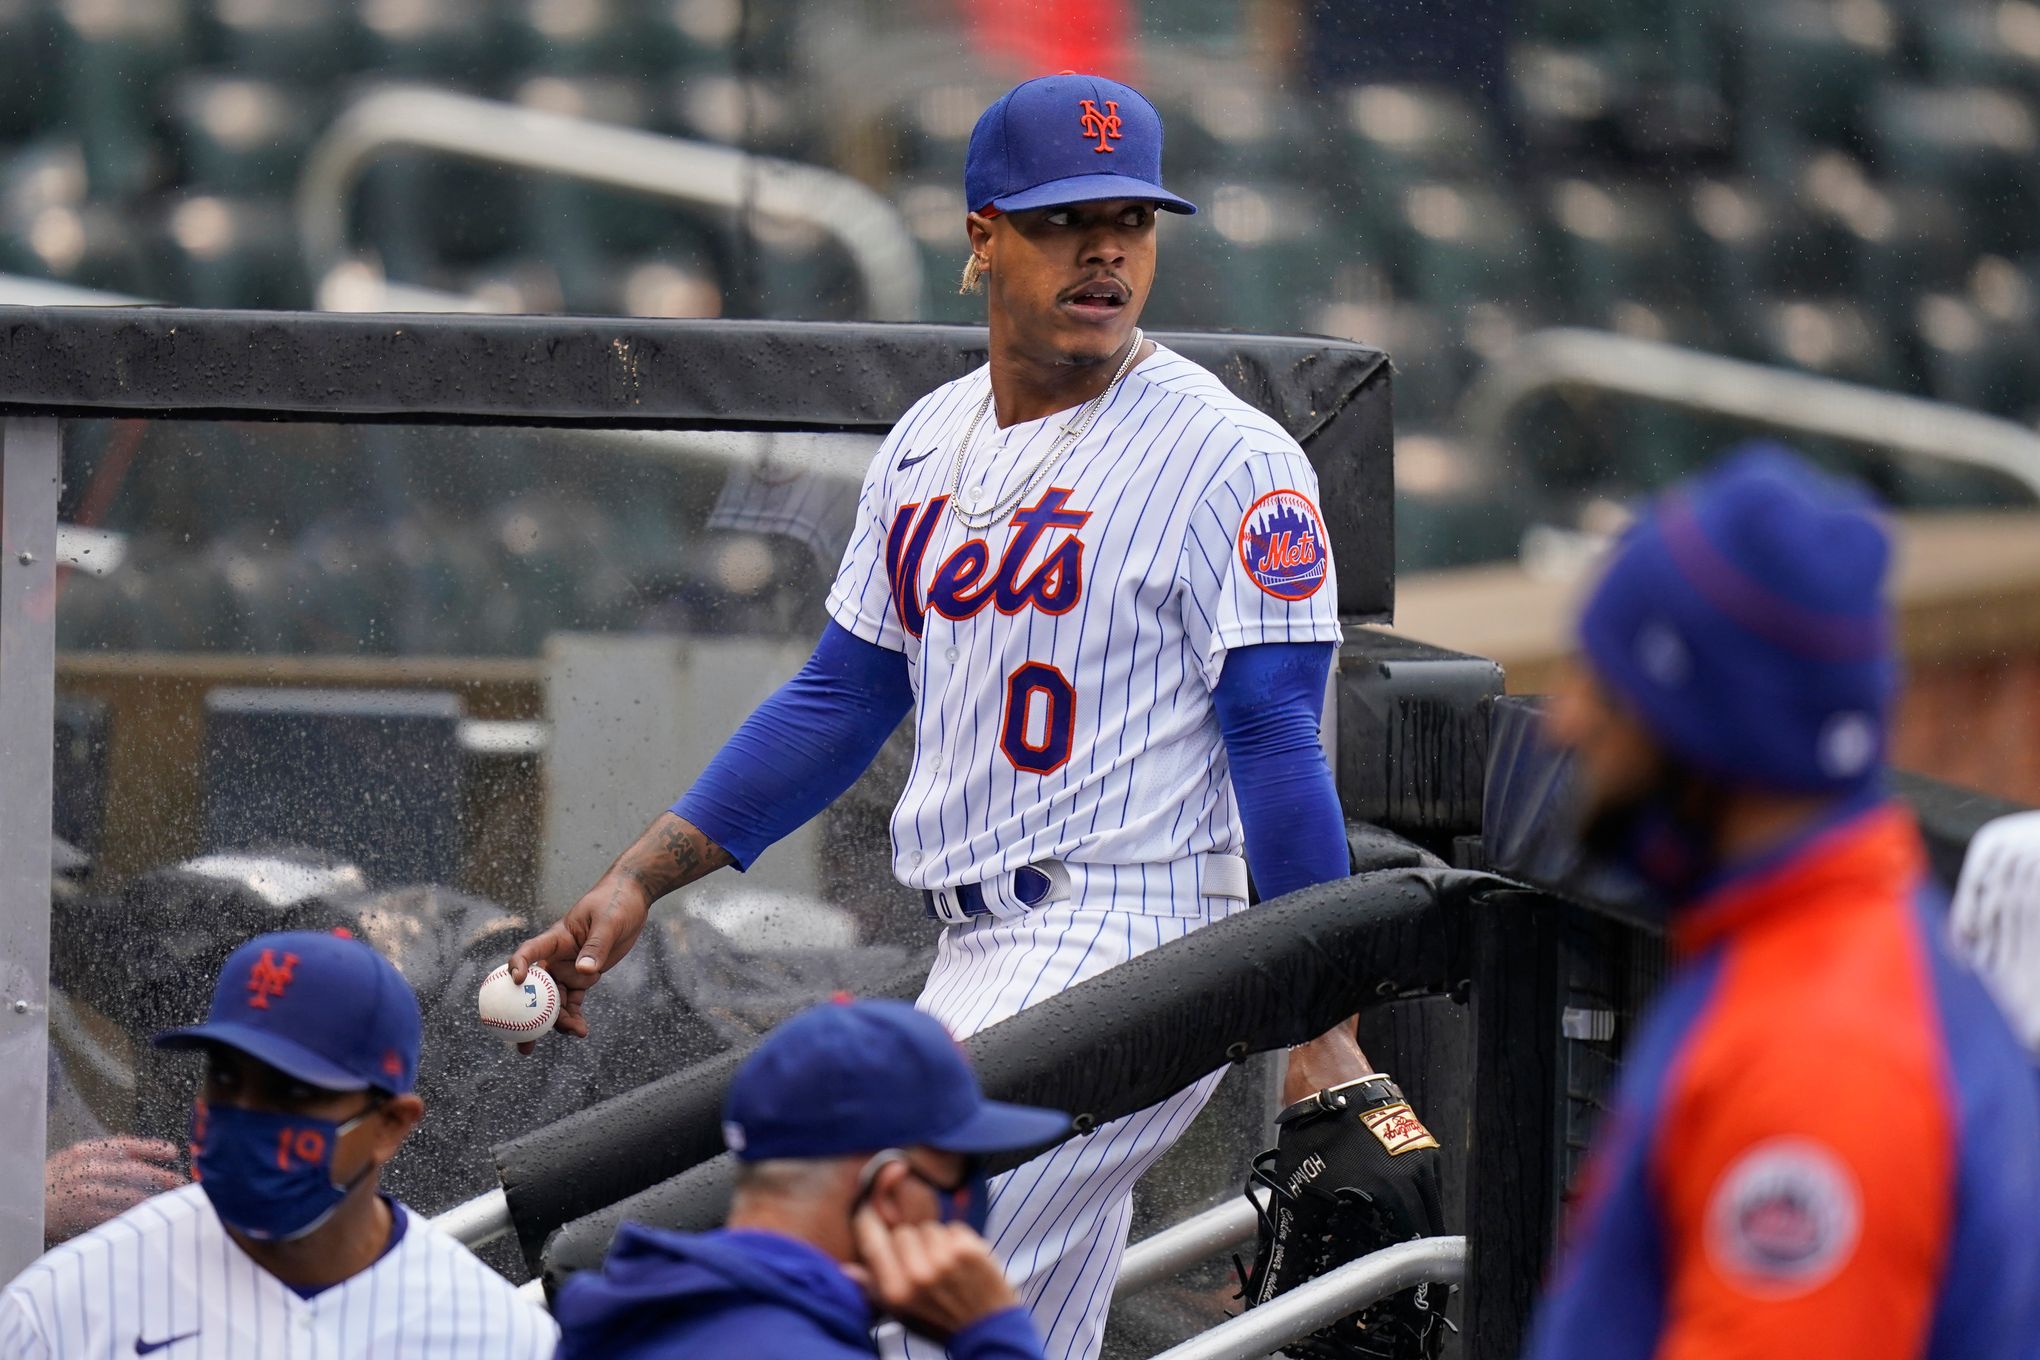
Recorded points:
(1847, 187)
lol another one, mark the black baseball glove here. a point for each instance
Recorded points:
(1353, 1170)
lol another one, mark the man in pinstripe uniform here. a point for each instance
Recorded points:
(285, 1247)
(1101, 585)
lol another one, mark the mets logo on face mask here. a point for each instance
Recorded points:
(1282, 545)
(1100, 125)
(269, 978)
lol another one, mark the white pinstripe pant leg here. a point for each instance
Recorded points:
(1059, 1222)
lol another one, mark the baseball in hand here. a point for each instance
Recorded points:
(518, 1014)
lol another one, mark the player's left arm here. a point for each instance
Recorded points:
(1270, 699)
(1805, 1192)
(1261, 603)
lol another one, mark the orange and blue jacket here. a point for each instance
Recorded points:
(1826, 1141)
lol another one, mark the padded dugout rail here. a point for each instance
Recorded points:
(1269, 978)
(1332, 396)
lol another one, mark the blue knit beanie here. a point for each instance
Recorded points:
(1743, 619)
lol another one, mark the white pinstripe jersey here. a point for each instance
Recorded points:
(164, 1279)
(1063, 660)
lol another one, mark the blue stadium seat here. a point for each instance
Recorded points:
(306, 44)
(754, 113)
(1238, 128)
(1460, 243)
(1613, 241)
(1810, 72)
(235, 135)
(1974, 144)
(455, 41)
(1255, 257)
(1980, 346)
(1838, 337)
(225, 252)
(1394, 136)
(690, 35)
(1746, 237)
(935, 215)
(929, 131)
(25, 68)
(571, 37)
(114, 59)
(90, 245)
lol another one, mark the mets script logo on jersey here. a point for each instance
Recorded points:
(1100, 125)
(1282, 545)
(966, 581)
(269, 978)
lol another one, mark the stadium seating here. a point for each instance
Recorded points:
(1844, 186)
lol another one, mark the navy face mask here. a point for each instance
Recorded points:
(269, 1175)
(968, 1202)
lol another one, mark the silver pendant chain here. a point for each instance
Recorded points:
(1072, 434)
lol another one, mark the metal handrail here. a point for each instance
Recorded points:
(486, 1217)
(1773, 397)
(1333, 1295)
(478, 1221)
(869, 228)
(1198, 1238)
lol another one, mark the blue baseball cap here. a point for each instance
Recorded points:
(859, 1076)
(324, 1008)
(1066, 139)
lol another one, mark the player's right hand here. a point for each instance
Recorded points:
(587, 942)
(938, 1278)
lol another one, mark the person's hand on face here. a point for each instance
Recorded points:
(936, 1277)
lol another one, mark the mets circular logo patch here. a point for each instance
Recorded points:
(1783, 1219)
(1282, 545)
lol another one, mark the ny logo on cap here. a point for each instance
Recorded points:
(1100, 125)
(269, 978)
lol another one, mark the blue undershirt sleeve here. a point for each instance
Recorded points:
(802, 747)
(1270, 700)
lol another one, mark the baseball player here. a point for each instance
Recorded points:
(1996, 918)
(1101, 585)
(1826, 1140)
(285, 1247)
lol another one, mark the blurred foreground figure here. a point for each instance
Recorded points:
(862, 1136)
(286, 1246)
(1997, 918)
(1826, 1141)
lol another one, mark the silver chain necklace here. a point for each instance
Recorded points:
(1073, 433)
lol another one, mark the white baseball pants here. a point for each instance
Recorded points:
(1059, 1222)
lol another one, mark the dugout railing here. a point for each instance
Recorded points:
(530, 446)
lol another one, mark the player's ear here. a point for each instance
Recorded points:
(395, 1118)
(981, 234)
(979, 228)
(887, 1197)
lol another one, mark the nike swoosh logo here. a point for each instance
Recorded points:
(151, 1347)
(906, 463)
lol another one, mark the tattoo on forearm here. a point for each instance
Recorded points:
(670, 855)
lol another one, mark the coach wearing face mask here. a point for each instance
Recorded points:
(286, 1246)
(860, 1134)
